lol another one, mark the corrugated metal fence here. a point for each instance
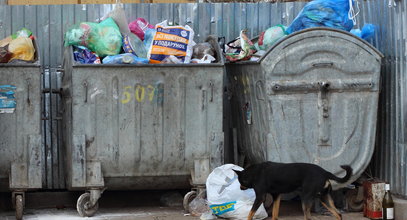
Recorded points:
(49, 23)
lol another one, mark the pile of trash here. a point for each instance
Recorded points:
(337, 14)
(224, 198)
(114, 41)
(18, 48)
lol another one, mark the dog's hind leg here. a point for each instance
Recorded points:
(257, 202)
(329, 204)
(276, 206)
(306, 208)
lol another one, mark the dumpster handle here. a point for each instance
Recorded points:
(258, 89)
(85, 84)
(211, 85)
(28, 91)
(327, 64)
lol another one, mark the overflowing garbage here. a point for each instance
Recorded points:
(337, 14)
(18, 47)
(114, 41)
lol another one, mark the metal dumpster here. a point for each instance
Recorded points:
(312, 98)
(20, 130)
(151, 126)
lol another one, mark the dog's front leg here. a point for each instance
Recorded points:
(257, 202)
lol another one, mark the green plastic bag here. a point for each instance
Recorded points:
(103, 38)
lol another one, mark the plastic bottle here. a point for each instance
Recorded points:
(387, 205)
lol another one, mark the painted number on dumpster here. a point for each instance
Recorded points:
(141, 93)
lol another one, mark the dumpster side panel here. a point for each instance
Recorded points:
(249, 109)
(145, 124)
(20, 131)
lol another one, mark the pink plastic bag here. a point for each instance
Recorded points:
(139, 27)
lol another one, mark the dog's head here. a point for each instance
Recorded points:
(244, 179)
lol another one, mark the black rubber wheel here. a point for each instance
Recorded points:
(188, 199)
(351, 200)
(82, 206)
(19, 207)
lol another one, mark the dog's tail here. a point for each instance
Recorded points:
(343, 179)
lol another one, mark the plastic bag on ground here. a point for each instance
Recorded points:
(198, 206)
(139, 27)
(172, 40)
(323, 13)
(22, 48)
(271, 36)
(85, 56)
(246, 49)
(225, 197)
(126, 58)
(103, 38)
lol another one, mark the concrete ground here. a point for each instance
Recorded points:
(144, 205)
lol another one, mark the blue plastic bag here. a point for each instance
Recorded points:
(125, 58)
(323, 13)
(366, 33)
(83, 55)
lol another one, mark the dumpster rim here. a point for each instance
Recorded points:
(248, 62)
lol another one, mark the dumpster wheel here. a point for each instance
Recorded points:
(355, 204)
(19, 207)
(188, 199)
(82, 206)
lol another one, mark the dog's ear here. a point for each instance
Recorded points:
(238, 172)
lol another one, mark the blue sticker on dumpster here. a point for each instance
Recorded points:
(7, 99)
(222, 208)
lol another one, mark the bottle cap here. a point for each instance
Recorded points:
(387, 187)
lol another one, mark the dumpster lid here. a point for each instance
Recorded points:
(375, 52)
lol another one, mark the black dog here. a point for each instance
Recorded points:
(278, 178)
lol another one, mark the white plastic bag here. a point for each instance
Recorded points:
(225, 197)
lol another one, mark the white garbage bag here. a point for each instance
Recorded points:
(226, 199)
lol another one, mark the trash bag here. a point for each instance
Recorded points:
(139, 27)
(247, 49)
(5, 55)
(270, 36)
(24, 32)
(132, 44)
(148, 38)
(125, 58)
(324, 13)
(119, 16)
(22, 48)
(366, 33)
(103, 38)
(172, 40)
(85, 56)
(225, 197)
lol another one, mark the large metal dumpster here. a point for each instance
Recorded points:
(141, 126)
(20, 130)
(312, 98)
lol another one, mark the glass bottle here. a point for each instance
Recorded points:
(387, 205)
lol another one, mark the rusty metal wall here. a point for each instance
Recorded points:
(227, 19)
